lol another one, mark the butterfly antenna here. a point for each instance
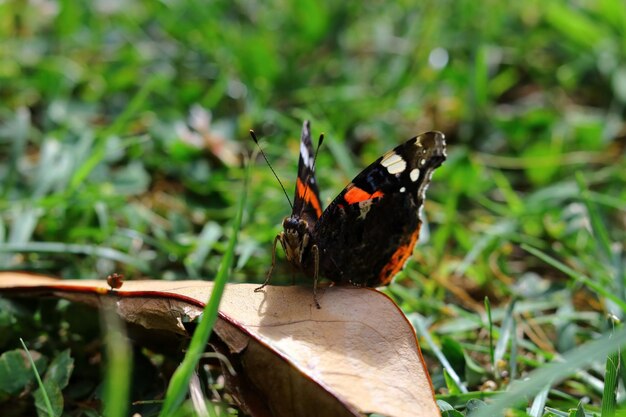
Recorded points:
(254, 138)
(319, 144)
(306, 181)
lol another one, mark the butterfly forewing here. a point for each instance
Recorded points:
(307, 204)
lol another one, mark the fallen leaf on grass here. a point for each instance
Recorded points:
(356, 355)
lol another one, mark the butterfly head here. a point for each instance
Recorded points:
(295, 238)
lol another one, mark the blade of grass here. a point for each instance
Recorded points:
(611, 381)
(177, 389)
(504, 335)
(197, 398)
(539, 402)
(598, 227)
(459, 400)
(453, 387)
(622, 370)
(119, 365)
(91, 250)
(609, 397)
(418, 322)
(515, 203)
(39, 381)
(513, 355)
(557, 413)
(599, 288)
(490, 323)
(24, 224)
(606, 200)
(19, 133)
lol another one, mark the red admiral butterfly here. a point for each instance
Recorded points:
(369, 230)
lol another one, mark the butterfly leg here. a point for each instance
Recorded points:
(269, 273)
(316, 262)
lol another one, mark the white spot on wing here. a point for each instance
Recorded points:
(403, 189)
(306, 157)
(390, 158)
(414, 174)
(394, 163)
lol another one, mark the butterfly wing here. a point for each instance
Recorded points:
(307, 204)
(374, 223)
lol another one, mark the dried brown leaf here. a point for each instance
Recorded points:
(358, 354)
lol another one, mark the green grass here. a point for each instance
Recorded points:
(100, 105)
(47, 405)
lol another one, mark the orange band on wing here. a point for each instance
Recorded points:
(308, 195)
(398, 259)
(356, 195)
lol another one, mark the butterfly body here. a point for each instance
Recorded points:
(369, 230)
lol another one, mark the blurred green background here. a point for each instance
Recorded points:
(124, 132)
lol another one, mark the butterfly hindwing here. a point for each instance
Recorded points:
(307, 204)
(368, 232)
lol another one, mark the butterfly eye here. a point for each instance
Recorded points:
(296, 224)
(302, 227)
